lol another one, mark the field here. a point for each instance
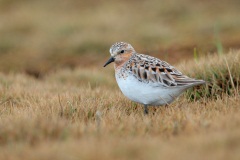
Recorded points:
(58, 102)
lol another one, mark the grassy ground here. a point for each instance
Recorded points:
(73, 115)
(58, 102)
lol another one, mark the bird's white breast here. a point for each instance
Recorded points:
(146, 92)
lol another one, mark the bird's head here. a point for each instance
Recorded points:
(120, 52)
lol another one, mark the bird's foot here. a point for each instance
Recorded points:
(145, 110)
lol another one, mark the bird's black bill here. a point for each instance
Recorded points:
(109, 61)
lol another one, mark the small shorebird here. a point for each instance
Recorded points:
(145, 79)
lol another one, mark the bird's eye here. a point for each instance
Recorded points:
(122, 51)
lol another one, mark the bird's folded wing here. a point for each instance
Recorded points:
(150, 69)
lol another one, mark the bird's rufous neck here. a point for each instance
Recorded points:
(120, 60)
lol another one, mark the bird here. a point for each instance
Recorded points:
(145, 79)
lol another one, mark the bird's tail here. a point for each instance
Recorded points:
(189, 82)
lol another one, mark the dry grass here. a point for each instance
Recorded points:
(73, 115)
(57, 102)
(221, 73)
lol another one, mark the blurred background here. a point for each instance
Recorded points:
(39, 37)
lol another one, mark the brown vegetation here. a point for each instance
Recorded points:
(72, 114)
(57, 102)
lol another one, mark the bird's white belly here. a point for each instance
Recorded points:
(146, 93)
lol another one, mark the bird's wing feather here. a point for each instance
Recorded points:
(151, 69)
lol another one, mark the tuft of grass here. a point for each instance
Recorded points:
(221, 73)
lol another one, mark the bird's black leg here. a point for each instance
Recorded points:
(145, 109)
